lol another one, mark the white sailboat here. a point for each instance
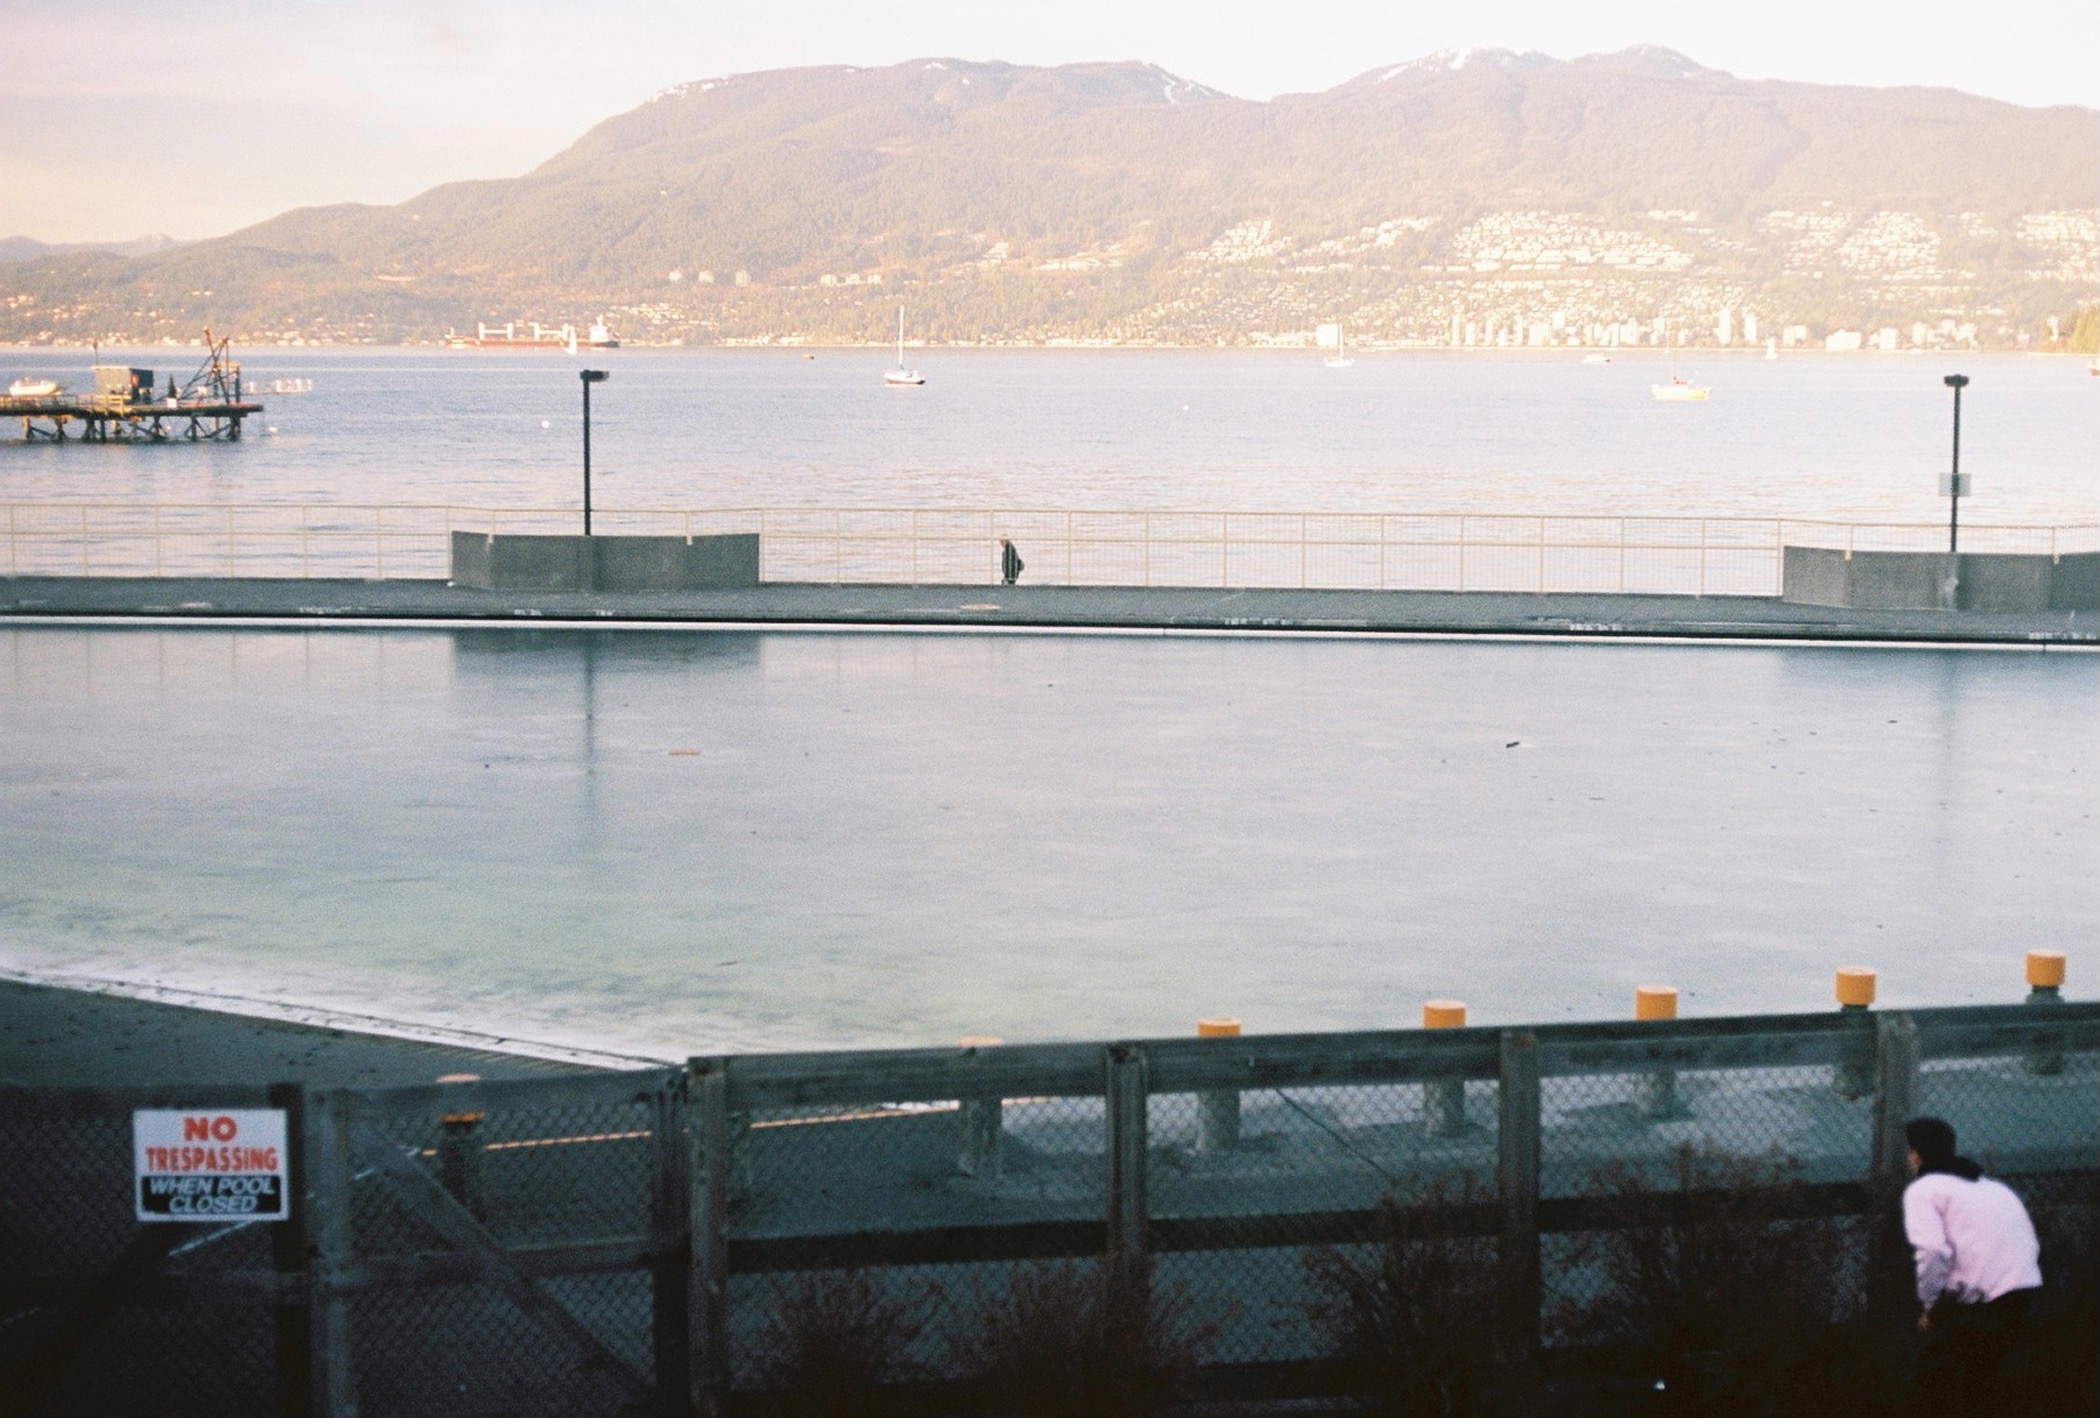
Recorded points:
(899, 373)
(1340, 358)
(1679, 390)
(1772, 347)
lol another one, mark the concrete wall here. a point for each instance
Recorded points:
(1916, 580)
(536, 563)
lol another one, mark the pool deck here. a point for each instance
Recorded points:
(1117, 608)
(52, 1036)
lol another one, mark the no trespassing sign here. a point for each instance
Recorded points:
(208, 1164)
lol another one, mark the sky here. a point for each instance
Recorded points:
(123, 119)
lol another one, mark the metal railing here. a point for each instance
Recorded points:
(616, 1242)
(1701, 556)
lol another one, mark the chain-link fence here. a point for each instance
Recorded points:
(104, 1314)
(501, 1247)
(1440, 1219)
(1399, 1214)
(1448, 551)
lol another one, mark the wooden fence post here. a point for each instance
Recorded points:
(1889, 1275)
(708, 1093)
(328, 1182)
(1895, 1094)
(1127, 1212)
(671, 1271)
(981, 1122)
(1517, 1255)
(288, 1244)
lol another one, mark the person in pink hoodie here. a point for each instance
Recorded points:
(1979, 1265)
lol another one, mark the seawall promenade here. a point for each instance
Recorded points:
(1481, 613)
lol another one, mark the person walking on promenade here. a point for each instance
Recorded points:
(1009, 561)
(1978, 1266)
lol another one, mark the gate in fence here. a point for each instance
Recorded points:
(650, 1242)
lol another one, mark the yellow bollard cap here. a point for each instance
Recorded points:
(980, 1041)
(1444, 1014)
(1655, 1002)
(2045, 969)
(459, 1119)
(1855, 985)
(1221, 1027)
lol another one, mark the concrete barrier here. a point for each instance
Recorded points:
(1917, 580)
(542, 563)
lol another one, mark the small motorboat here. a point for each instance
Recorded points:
(1679, 390)
(33, 388)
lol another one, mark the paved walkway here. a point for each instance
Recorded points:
(1043, 607)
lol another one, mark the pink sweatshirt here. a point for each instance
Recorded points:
(1973, 1239)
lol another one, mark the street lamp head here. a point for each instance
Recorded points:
(599, 376)
(1955, 381)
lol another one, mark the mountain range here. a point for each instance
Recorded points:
(1500, 194)
(24, 248)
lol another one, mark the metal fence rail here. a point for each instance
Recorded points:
(656, 1241)
(1710, 556)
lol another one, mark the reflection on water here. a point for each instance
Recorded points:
(685, 841)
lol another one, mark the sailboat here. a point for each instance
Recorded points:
(1340, 358)
(900, 373)
(1679, 390)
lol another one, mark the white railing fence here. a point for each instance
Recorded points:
(1711, 556)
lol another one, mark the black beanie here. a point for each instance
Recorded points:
(1933, 1140)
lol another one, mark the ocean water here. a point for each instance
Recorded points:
(673, 842)
(1846, 437)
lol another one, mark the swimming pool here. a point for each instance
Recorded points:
(684, 841)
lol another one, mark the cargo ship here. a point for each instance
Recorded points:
(531, 335)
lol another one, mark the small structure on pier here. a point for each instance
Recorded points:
(125, 407)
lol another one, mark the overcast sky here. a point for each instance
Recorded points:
(124, 119)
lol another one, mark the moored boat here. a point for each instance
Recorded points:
(900, 373)
(31, 388)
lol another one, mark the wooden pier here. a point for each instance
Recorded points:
(125, 409)
(106, 420)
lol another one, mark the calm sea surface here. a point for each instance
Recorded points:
(1848, 437)
(680, 841)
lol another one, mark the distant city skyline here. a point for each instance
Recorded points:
(134, 119)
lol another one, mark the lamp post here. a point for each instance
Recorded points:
(589, 377)
(1951, 587)
(1956, 382)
